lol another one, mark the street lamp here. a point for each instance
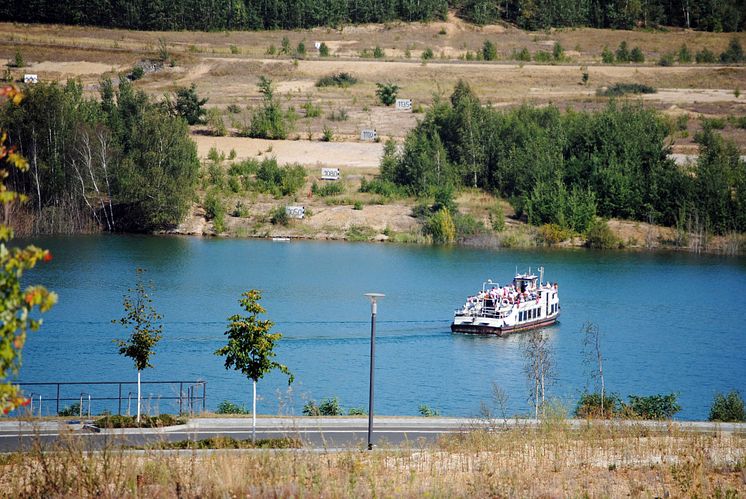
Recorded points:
(373, 311)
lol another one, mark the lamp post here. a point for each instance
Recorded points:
(373, 311)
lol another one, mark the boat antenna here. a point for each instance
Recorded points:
(541, 275)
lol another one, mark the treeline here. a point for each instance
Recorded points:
(121, 163)
(707, 15)
(211, 15)
(567, 168)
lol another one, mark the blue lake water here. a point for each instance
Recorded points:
(670, 322)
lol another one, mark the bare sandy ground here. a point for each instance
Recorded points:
(304, 152)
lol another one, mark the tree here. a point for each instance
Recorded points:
(250, 347)
(539, 367)
(728, 408)
(489, 51)
(16, 305)
(141, 318)
(188, 105)
(387, 92)
(593, 355)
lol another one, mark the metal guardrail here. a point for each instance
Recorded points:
(193, 397)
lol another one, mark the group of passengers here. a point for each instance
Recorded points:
(512, 294)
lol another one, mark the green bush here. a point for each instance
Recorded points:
(522, 55)
(652, 406)
(619, 89)
(622, 52)
(340, 114)
(342, 79)
(666, 60)
(599, 236)
(327, 134)
(589, 406)
(607, 56)
(244, 168)
(440, 226)
(497, 218)
(553, 234)
(733, 54)
(136, 73)
(357, 206)
(327, 407)
(705, 56)
(300, 50)
(312, 110)
(466, 225)
(558, 52)
(378, 53)
(684, 56)
(213, 205)
(234, 50)
(636, 55)
(71, 410)
(328, 189)
(387, 93)
(428, 412)
(228, 407)
(728, 408)
(489, 51)
(118, 421)
(427, 54)
(356, 411)
(324, 50)
(278, 216)
(18, 61)
(542, 56)
(382, 187)
(279, 181)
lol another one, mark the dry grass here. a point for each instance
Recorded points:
(551, 461)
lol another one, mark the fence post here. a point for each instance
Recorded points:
(181, 397)
(58, 400)
(119, 412)
(204, 395)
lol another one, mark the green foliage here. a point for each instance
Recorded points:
(300, 50)
(357, 206)
(136, 73)
(522, 55)
(684, 55)
(426, 55)
(607, 56)
(269, 121)
(440, 226)
(622, 52)
(378, 53)
(619, 89)
(228, 407)
(653, 406)
(142, 321)
(558, 52)
(215, 210)
(489, 51)
(327, 134)
(341, 79)
(285, 46)
(234, 50)
(327, 407)
(733, 54)
(636, 55)
(666, 60)
(359, 233)
(427, 411)
(244, 168)
(728, 408)
(553, 234)
(542, 56)
(18, 61)
(356, 411)
(251, 345)
(221, 442)
(279, 180)
(324, 50)
(600, 236)
(312, 110)
(497, 218)
(328, 189)
(216, 123)
(590, 407)
(387, 93)
(705, 56)
(119, 421)
(339, 115)
(278, 216)
(713, 123)
(72, 410)
(188, 105)
(466, 225)
(382, 187)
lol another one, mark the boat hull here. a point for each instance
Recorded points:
(492, 330)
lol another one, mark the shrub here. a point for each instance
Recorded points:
(636, 55)
(589, 406)
(684, 56)
(558, 52)
(324, 49)
(489, 51)
(653, 406)
(228, 407)
(215, 122)
(666, 60)
(387, 93)
(339, 115)
(705, 56)
(358, 233)
(311, 408)
(244, 168)
(542, 56)
(330, 407)
(599, 236)
(607, 56)
(356, 411)
(427, 54)
(552, 234)
(277, 180)
(342, 79)
(240, 210)
(466, 225)
(327, 134)
(383, 188)
(357, 206)
(271, 50)
(713, 123)
(619, 89)
(300, 50)
(285, 45)
(278, 216)
(235, 50)
(118, 421)
(441, 227)
(728, 408)
(522, 55)
(622, 52)
(497, 218)
(378, 53)
(427, 412)
(312, 110)
(18, 60)
(733, 54)
(71, 410)
(136, 73)
(329, 189)
(234, 185)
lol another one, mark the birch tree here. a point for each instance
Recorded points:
(539, 367)
(594, 357)
(141, 318)
(250, 347)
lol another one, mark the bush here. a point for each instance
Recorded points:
(497, 218)
(599, 236)
(18, 60)
(427, 412)
(542, 56)
(213, 205)
(619, 89)
(684, 56)
(327, 407)
(327, 134)
(328, 189)
(118, 421)
(228, 407)
(552, 234)
(466, 225)
(312, 110)
(728, 408)
(705, 56)
(383, 188)
(441, 227)
(427, 54)
(607, 56)
(666, 60)
(136, 73)
(244, 168)
(378, 53)
(300, 50)
(278, 216)
(279, 181)
(523, 55)
(489, 51)
(357, 411)
(357, 206)
(622, 53)
(589, 406)
(653, 406)
(215, 122)
(636, 55)
(324, 49)
(339, 115)
(342, 79)
(235, 50)
(733, 54)
(713, 123)
(71, 410)
(387, 93)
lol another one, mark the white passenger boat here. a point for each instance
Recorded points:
(525, 303)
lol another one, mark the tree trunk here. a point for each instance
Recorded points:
(138, 396)
(253, 415)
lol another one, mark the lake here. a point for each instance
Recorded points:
(670, 322)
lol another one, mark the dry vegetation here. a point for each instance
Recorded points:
(552, 461)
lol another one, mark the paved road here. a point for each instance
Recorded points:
(319, 433)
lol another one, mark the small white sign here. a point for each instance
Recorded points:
(317, 45)
(330, 174)
(368, 135)
(295, 211)
(29, 78)
(403, 104)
